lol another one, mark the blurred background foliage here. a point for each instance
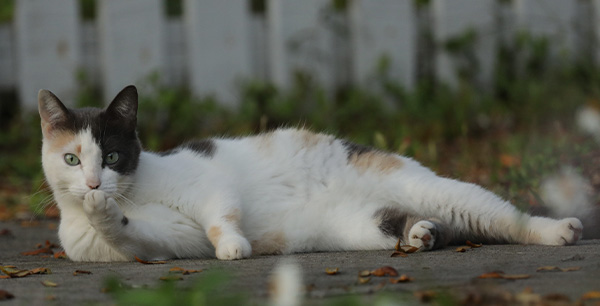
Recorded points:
(506, 138)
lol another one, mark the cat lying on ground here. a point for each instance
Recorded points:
(280, 192)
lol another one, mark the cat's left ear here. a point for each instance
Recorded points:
(53, 113)
(124, 106)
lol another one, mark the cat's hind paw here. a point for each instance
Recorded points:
(564, 232)
(233, 247)
(422, 235)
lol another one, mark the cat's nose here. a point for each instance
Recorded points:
(93, 184)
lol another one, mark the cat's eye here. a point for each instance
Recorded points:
(111, 158)
(71, 159)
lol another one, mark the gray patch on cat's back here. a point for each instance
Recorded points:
(356, 149)
(204, 147)
(392, 221)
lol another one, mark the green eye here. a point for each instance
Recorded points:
(71, 159)
(111, 158)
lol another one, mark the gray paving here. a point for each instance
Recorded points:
(445, 270)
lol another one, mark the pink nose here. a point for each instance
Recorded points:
(93, 186)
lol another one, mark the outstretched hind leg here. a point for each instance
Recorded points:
(427, 234)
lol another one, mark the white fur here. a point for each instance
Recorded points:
(307, 195)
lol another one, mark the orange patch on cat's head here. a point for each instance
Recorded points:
(376, 161)
(58, 140)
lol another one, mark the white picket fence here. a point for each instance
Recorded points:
(217, 44)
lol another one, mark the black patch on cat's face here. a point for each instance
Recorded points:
(392, 221)
(356, 149)
(113, 129)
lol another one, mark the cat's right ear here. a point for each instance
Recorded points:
(52, 111)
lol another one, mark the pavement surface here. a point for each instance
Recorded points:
(444, 270)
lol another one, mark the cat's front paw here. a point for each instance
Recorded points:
(233, 247)
(564, 232)
(100, 209)
(422, 235)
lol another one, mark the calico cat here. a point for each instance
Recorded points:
(280, 192)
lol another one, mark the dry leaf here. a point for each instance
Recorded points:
(408, 249)
(364, 280)
(171, 278)
(557, 269)
(48, 283)
(38, 251)
(397, 246)
(13, 272)
(462, 249)
(402, 279)
(332, 271)
(4, 277)
(591, 295)
(183, 271)
(473, 245)
(40, 271)
(5, 295)
(399, 254)
(385, 271)
(500, 274)
(79, 272)
(364, 273)
(51, 245)
(6, 232)
(60, 255)
(156, 262)
(425, 296)
(51, 298)
(516, 276)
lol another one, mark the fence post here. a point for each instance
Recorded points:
(466, 40)
(384, 28)
(218, 47)
(298, 42)
(48, 49)
(130, 39)
(553, 19)
(8, 71)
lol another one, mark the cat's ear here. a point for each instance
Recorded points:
(124, 106)
(52, 112)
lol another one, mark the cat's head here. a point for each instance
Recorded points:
(89, 148)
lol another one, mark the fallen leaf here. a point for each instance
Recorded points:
(5, 295)
(399, 254)
(4, 277)
(425, 296)
(591, 295)
(509, 160)
(462, 249)
(40, 271)
(402, 279)
(48, 283)
(183, 271)
(364, 273)
(500, 274)
(473, 245)
(13, 272)
(408, 249)
(171, 278)
(30, 223)
(332, 271)
(364, 280)
(51, 245)
(51, 298)
(557, 269)
(516, 276)
(52, 226)
(556, 297)
(6, 232)
(80, 272)
(575, 257)
(156, 262)
(38, 252)
(495, 274)
(397, 246)
(385, 271)
(60, 255)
